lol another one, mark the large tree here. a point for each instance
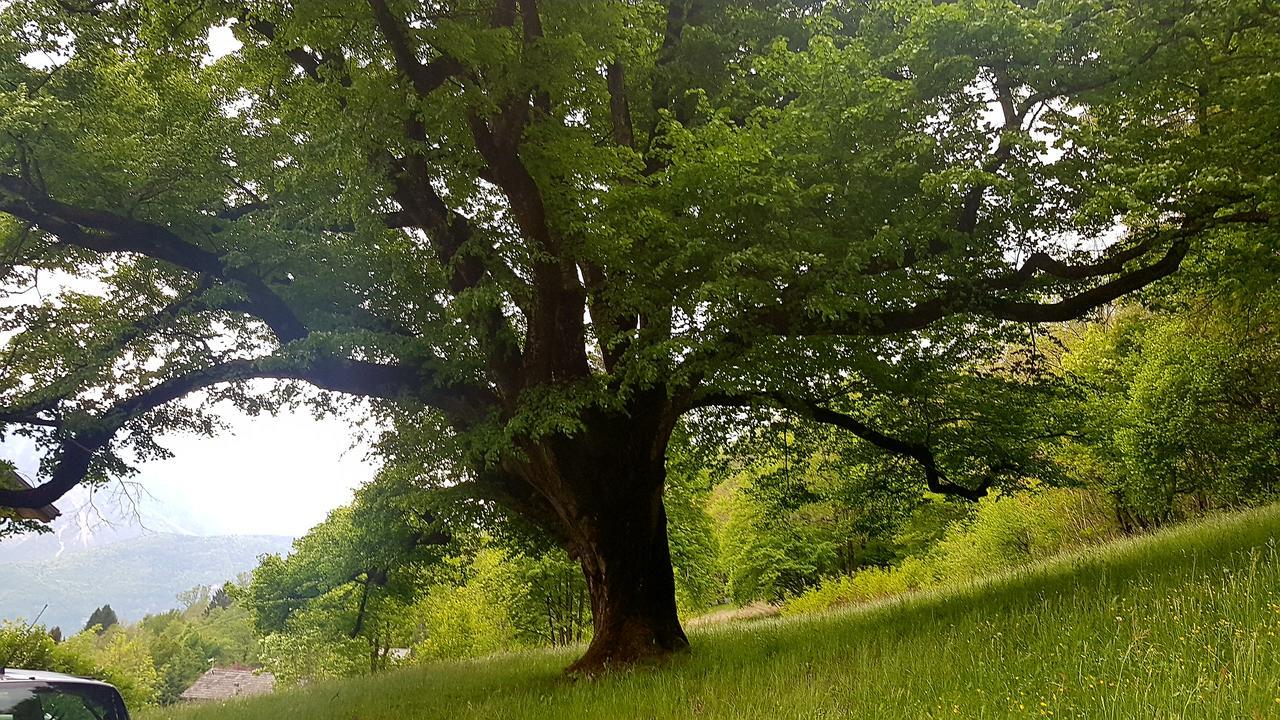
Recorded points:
(536, 233)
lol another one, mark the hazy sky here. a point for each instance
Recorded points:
(270, 475)
(275, 475)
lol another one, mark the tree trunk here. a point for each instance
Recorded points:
(632, 587)
(602, 490)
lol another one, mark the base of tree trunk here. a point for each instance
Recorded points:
(608, 488)
(633, 593)
(637, 643)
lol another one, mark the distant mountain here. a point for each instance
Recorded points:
(137, 575)
(90, 520)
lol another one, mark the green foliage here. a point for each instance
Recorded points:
(119, 657)
(495, 600)
(1002, 533)
(695, 552)
(768, 557)
(553, 605)
(183, 645)
(230, 633)
(1180, 409)
(473, 616)
(1008, 531)
(310, 656)
(797, 502)
(32, 648)
(349, 581)
(864, 586)
(127, 656)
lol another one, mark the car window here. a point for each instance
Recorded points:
(72, 707)
(19, 703)
(58, 701)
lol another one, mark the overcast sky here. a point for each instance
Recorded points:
(272, 476)
(269, 476)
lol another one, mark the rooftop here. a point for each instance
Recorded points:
(12, 480)
(227, 683)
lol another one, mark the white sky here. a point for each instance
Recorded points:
(271, 476)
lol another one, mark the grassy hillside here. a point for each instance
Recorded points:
(1179, 625)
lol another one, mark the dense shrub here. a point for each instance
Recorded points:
(1008, 530)
(33, 648)
(115, 658)
(297, 658)
(1004, 531)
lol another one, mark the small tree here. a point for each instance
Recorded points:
(101, 619)
(220, 601)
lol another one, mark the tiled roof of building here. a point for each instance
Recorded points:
(227, 683)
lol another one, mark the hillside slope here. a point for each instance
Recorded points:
(136, 576)
(1182, 624)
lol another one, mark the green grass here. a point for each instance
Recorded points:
(1182, 624)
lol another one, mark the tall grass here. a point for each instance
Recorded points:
(1182, 624)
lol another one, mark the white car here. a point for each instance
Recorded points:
(39, 695)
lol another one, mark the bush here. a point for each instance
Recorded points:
(298, 658)
(1010, 530)
(32, 648)
(1004, 532)
(473, 618)
(130, 667)
(863, 586)
(118, 659)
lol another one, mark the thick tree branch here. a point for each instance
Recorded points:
(334, 374)
(422, 207)
(46, 399)
(935, 479)
(619, 105)
(555, 346)
(986, 298)
(106, 232)
(427, 78)
(77, 450)
(311, 63)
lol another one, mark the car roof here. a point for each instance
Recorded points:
(15, 674)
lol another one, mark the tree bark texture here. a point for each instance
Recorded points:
(604, 489)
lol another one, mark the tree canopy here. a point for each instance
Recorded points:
(533, 235)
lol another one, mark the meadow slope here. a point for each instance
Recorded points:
(1182, 624)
